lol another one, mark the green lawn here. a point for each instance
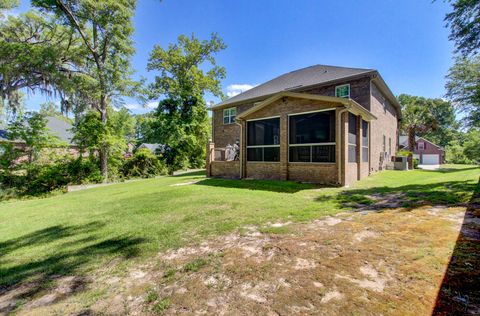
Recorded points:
(76, 232)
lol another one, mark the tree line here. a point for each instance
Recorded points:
(79, 51)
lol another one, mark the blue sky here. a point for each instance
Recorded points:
(405, 40)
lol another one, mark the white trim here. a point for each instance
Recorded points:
(313, 144)
(230, 121)
(340, 86)
(263, 118)
(261, 146)
(312, 163)
(309, 112)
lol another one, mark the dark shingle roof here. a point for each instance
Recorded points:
(60, 128)
(304, 77)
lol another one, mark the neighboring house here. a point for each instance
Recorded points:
(425, 151)
(154, 148)
(58, 127)
(321, 124)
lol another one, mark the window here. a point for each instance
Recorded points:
(365, 141)
(389, 146)
(229, 115)
(342, 91)
(263, 140)
(384, 144)
(421, 146)
(352, 138)
(312, 137)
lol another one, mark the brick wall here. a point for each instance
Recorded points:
(359, 90)
(385, 124)
(263, 170)
(225, 169)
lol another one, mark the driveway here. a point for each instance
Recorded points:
(429, 167)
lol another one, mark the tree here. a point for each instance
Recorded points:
(464, 23)
(32, 131)
(446, 122)
(417, 117)
(181, 119)
(36, 53)
(463, 88)
(105, 29)
(472, 145)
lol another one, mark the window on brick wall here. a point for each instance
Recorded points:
(389, 147)
(352, 137)
(342, 91)
(365, 141)
(229, 115)
(312, 137)
(263, 140)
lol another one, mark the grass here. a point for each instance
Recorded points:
(79, 232)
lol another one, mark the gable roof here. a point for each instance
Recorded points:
(153, 147)
(353, 106)
(296, 79)
(403, 141)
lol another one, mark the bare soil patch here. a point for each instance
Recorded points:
(391, 262)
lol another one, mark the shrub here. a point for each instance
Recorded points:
(143, 164)
(416, 161)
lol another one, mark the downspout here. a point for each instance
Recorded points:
(339, 122)
(241, 148)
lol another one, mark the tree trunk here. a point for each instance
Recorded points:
(411, 146)
(104, 148)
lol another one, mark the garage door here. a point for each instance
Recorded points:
(431, 160)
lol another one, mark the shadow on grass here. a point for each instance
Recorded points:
(262, 185)
(459, 293)
(406, 196)
(190, 174)
(22, 281)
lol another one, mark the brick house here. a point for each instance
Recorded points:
(425, 151)
(320, 124)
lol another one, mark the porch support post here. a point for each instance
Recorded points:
(359, 147)
(210, 157)
(284, 147)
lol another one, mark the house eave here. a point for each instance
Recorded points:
(352, 105)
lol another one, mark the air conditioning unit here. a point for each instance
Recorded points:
(401, 163)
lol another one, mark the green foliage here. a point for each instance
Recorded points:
(464, 23)
(454, 153)
(181, 119)
(404, 153)
(463, 87)
(416, 162)
(465, 150)
(472, 145)
(9, 4)
(417, 117)
(32, 131)
(143, 164)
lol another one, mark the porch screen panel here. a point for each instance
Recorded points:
(263, 140)
(312, 137)
(352, 137)
(365, 141)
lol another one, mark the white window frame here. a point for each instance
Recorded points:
(261, 146)
(228, 113)
(341, 86)
(310, 144)
(422, 147)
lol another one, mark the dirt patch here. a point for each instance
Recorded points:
(389, 263)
